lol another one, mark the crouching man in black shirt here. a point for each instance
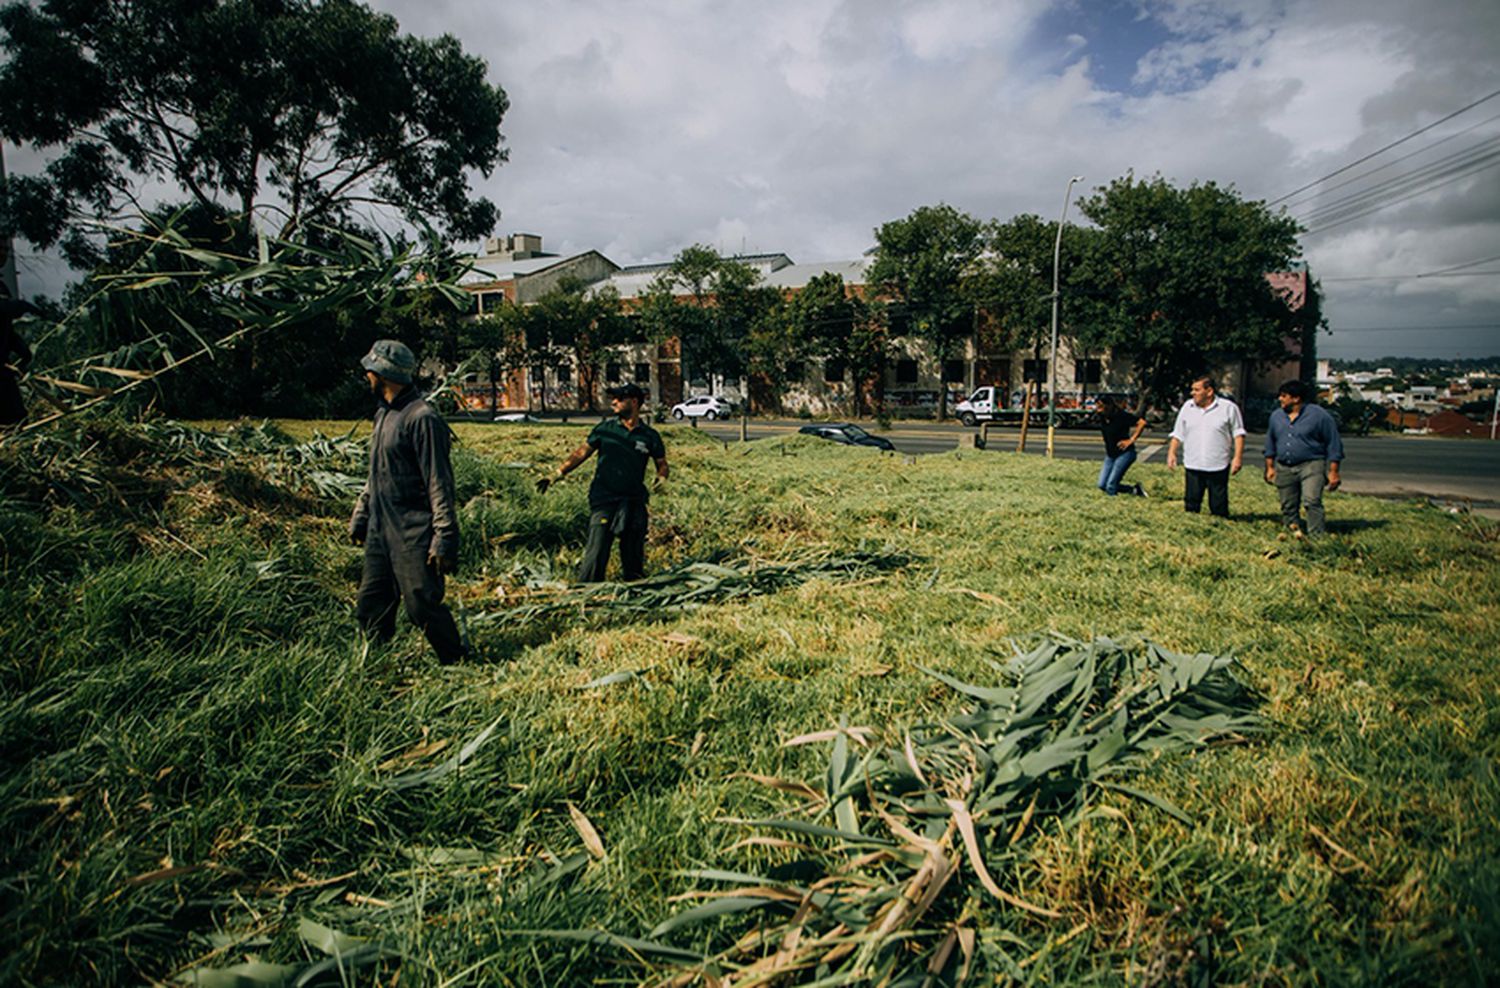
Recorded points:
(1121, 429)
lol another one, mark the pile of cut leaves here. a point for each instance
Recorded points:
(689, 585)
(889, 856)
(89, 462)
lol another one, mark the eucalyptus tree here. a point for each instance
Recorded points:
(279, 113)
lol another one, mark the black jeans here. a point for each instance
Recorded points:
(1216, 483)
(400, 574)
(629, 522)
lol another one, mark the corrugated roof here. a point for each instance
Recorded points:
(504, 269)
(632, 281)
(798, 275)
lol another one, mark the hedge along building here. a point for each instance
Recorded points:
(514, 270)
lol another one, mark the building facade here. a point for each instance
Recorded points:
(514, 270)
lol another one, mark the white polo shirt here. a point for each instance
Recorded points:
(1207, 434)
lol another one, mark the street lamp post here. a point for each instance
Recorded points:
(1056, 298)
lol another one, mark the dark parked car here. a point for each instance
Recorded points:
(846, 433)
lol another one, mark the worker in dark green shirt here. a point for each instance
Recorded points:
(618, 495)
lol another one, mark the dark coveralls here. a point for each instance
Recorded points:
(405, 512)
(617, 498)
(12, 408)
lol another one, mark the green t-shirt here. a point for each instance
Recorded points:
(623, 455)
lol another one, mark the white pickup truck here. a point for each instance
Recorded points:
(990, 404)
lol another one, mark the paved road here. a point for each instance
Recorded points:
(1391, 466)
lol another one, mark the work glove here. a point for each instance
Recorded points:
(443, 564)
(542, 484)
(357, 536)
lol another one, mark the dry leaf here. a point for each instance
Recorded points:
(587, 832)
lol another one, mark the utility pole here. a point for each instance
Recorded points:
(1056, 299)
(7, 246)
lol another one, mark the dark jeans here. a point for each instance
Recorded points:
(1112, 473)
(1216, 483)
(604, 525)
(402, 574)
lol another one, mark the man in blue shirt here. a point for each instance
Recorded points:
(1303, 452)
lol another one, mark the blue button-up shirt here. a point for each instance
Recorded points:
(1314, 436)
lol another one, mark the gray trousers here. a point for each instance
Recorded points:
(398, 575)
(1300, 486)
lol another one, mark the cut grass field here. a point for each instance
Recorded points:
(207, 771)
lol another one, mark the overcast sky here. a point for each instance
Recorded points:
(638, 127)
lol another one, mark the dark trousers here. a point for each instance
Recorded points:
(12, 408)
(603, 526)
(1216, 483)
(393, 575)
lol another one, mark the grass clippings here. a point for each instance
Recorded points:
(197, 745)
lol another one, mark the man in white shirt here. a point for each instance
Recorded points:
(1211, 437)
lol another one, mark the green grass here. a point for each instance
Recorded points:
(199, 750)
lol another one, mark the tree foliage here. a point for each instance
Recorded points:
(1177, 278)
(288, 111)
(832, 322)
(725, 319)
(568, 325)
(277, 331)
(921, 265)
(1012, 283)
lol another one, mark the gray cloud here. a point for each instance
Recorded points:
(639, 128)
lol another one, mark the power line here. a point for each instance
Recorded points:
(1471, 158)
(1413, 277)
(1419, 192)
(1415, 329)
(1410, 329)
(1467, 264)
(1382, 150)
(1393, 162)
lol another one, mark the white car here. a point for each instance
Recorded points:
(703, 406)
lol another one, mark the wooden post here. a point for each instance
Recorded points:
(1025, 416)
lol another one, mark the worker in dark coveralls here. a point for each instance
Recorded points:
(618, 495)
(405, 516)
(12, 408)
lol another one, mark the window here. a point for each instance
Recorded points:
(491, 301)
(1088, 371)
(906, 372)
(564, 375)
(642, 373)
(833, 371)
(795, 370)
(953, 371)
(612, 372)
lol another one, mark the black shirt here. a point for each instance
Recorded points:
(1117, 426)
(623, 454)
